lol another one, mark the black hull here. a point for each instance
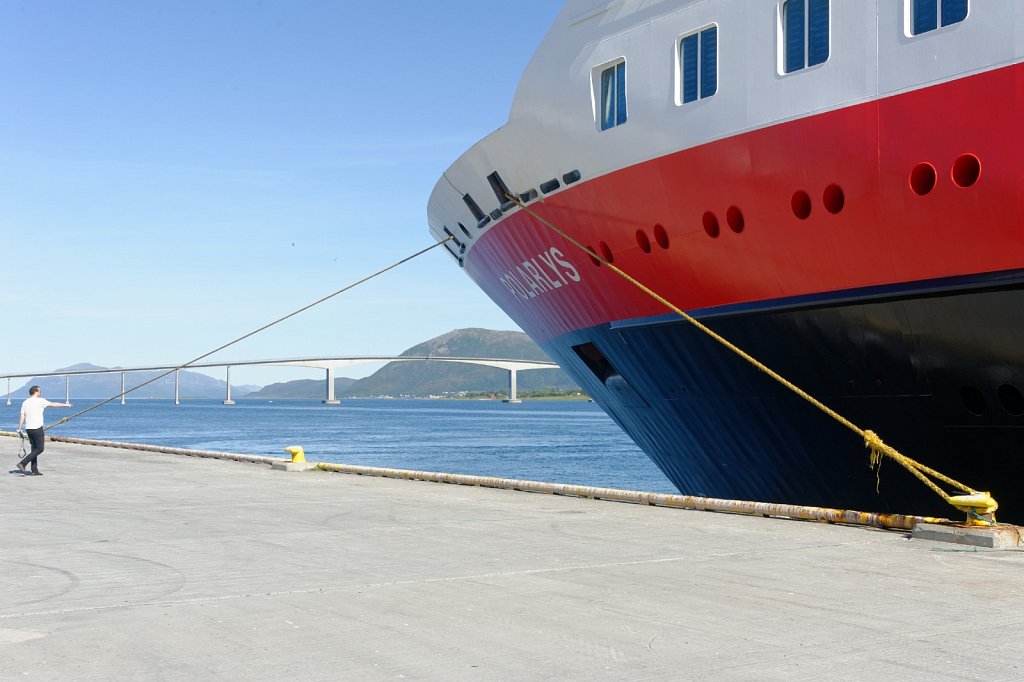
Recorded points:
(936, 374)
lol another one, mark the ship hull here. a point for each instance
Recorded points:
(871, 252)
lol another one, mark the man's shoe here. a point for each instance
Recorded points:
(36, 473)
(21, 468)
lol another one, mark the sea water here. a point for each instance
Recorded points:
(560, 441)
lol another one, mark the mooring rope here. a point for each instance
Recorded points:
(304, 308)
(872, 441)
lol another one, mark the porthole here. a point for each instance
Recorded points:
(571, 177)
(661, 236)
(1011, 399)
(973, 400)
(801, 204)
(966, 170)
(605, 252)
(734, 217)
(549, 186)
(923, 178)
(710, 224)
(642, 241)
(833, 198)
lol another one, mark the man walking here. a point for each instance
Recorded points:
(32, 419)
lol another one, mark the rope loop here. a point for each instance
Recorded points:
(875, 444)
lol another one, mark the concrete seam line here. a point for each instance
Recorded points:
(185, 452)
(769, 509)
(803, 513)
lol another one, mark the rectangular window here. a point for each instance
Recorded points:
(698, 65)
(928, 15)
(474, 208)
(805, 33)
(613, 96)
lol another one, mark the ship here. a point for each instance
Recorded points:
(835, 187)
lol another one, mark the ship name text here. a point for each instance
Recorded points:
(547, 271)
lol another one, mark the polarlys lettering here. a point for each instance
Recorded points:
(544, 272)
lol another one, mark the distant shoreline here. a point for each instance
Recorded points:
(424, 397)
(583, 398)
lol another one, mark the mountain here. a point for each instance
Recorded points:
(102, 386)
(300, 389)
(421, 378)
(437, 378)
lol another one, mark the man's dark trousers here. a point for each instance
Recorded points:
(36, 439)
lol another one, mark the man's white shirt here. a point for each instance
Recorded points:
(32, 410)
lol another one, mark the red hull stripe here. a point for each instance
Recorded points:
(733, 213)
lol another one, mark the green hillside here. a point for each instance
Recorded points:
(430, 378)
(300, 389)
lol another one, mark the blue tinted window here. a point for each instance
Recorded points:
(698, 57)
(817, 32)
(928, 15)
(953, 11)
(613, 96)
(709, 61)
(689, 59)
(793, 30)
(620, 86)
(607, 98)
(805, 29)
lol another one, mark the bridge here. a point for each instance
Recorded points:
(330, 365)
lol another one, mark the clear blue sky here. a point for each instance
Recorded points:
(174, 174)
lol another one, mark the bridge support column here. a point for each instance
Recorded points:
(176, 401)
(8, 390)
(228, 400)
(67, 388)
(513, 397)
(331, 400)
(122, 388)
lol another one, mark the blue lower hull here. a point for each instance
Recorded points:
(937, 374)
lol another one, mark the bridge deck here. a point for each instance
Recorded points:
(120, 564)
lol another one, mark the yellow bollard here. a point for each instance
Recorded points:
(979, 507)
(298, 454)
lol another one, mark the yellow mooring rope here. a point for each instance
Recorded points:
(979, 506)
(65, 420)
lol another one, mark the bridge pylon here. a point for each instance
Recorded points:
(331, 400)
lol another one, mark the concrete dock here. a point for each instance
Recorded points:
(130, 565)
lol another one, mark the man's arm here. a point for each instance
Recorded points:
(59, 405)
(21, 420)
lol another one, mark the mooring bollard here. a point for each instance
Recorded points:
(298, 462)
